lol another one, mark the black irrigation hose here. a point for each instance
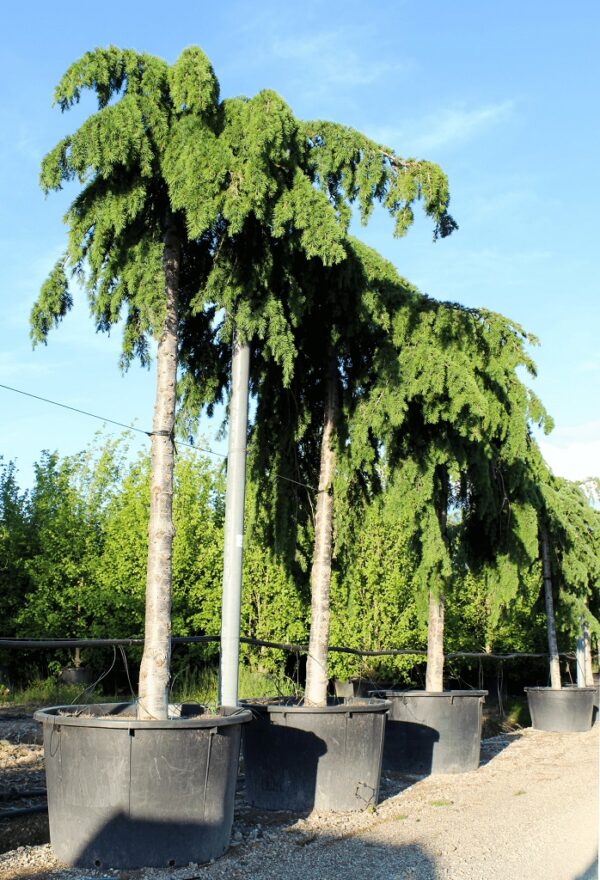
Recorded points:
(22, 795)
(180, 640)
(67, 643)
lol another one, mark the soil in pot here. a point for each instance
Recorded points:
(302, 758)
(124, 793)
(568, 710)
(430, 732)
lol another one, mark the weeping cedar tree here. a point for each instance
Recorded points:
(426, 404)
(302, 431)
(569, 548)
(260, 277)
(128, 247)
(453, 461)
(177, 186)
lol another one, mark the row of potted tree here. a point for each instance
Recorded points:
(219, 228)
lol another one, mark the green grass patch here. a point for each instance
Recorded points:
(441, 803)
(52, 692)
(191, 686)
(202, 685)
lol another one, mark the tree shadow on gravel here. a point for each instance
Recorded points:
(353, 858)
(492, 747)
(324, 857)
(393, 784)
(591, 873)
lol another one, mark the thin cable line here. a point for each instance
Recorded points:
(91, 415)
(83, 412)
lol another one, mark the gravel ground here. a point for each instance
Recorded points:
(529, 813)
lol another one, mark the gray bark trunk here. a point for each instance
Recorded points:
(550, 621)
(580, 656)
(320, 577)
(587, 648)
(434, 677)
(155, 667)
(234, 527)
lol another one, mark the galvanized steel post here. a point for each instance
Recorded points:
(234, 526)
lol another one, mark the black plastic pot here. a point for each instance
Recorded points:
(303, 758)
(596, 677)
(433, 732)
(568, 710)
(124, 793)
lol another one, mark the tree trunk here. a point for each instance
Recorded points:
(234, 526)
(434, 677)
(587, 648)
(155, 668)
(580, 655)
(320, 577)
(550, 621)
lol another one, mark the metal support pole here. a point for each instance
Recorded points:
(234, 526)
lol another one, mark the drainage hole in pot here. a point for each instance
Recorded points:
(171, 863)
(97, 862)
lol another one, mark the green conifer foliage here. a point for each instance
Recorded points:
(351, 314)
(125, 245)
(352, 168)
(473, 425)
(374, 600)
(189, 205)
(426, 388)
(574, 532)
(569, 536)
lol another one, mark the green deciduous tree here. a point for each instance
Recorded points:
(16, 547)
(197, 550)
(67, 512)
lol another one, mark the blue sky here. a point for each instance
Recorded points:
(502, 96)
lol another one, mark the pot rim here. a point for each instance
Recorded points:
(574, 689)
(391, 694)
(352, 706)
(99, 715)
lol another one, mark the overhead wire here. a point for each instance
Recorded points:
(106, 420)
(83, 412)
